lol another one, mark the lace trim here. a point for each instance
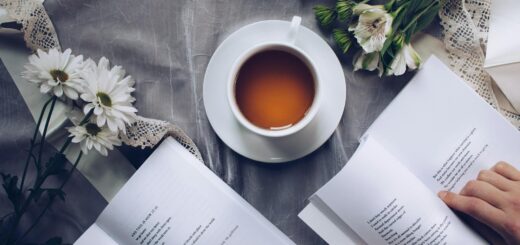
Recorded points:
(465, 25)
(39, 33)
(147, 132)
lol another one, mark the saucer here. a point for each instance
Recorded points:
(261, 148)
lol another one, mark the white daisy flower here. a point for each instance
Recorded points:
(55, 72)
(373, 26)
(108, 92)
(91, 136)
(406, 56)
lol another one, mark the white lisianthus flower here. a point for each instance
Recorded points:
(55, 72)
(366, 61)
(108, 92)
(91, 136)
(373, 26)
(406, 57)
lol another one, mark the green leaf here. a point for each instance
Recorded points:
(10, 184)
(343, 39)
(389, 5)
(415, 4)
(408, 34)
(386, 44)
(325, 15)
(56, 165)
(398, 18)
(387, 57)
(424, 3)
(344, 9)
(427, 18)
(408, 12)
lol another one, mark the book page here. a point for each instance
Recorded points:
(386, 204)
(443, 132)
(174, 199)
(327, 224)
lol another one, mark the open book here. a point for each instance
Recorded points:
(436, 135)
(174, 199)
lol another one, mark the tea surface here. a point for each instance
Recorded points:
(274, 89)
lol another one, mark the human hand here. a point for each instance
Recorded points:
(493, 199)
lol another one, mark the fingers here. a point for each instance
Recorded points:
(475, 207)
(484, 191)
(506, 170)
(491, 200)
(495, 179)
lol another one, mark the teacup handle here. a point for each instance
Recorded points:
(295, 26)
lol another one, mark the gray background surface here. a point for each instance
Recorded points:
(166, 45)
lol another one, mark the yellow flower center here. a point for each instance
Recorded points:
(92, 129)
(59, 75)
(104, 99)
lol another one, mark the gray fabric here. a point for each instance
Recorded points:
(83, 203)
(166, 45)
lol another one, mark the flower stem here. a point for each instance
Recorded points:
(51, 201)
(65, 145)
(42, 140)
(87, 117)
(33, 140)
(19, 212)
(414, 20)
(41, 179)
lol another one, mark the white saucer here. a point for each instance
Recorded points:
(256, 147)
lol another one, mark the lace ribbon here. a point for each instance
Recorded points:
(39, 33)
(465, 25)
(147, 132)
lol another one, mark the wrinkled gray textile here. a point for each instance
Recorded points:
(166, 45)
(83, 203)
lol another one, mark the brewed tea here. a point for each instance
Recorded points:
(274, 89)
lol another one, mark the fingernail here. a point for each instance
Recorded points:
(442, 194)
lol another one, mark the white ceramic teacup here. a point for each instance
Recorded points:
(288, 46)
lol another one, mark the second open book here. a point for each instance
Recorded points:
(174, 199)
(436, 135)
